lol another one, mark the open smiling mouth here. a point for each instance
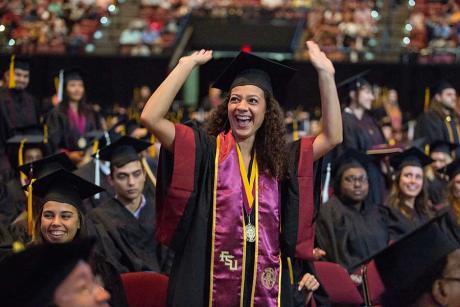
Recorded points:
(243, 121)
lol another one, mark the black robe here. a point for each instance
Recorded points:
(437, 190)
(63, 135)
(12, 202)
(436, 125)
(450, 226)
(18, 111)
(134, 239)
(398, 224)
(347, 235)
(360, 134)
(184, 207)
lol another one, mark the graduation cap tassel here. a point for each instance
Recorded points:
(295, 130)
(148, 171)
(30, 219)
(11, 80)
(97, 172)
(45, 134)
(152, 150)
(426, 104)
(60, 88)
(327, 180)
(21, 158)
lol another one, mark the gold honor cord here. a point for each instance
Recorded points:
(30, 219)
(295, 130)
(21, 159)
(248, 185)
(45, 134)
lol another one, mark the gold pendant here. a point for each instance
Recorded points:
(250, 233)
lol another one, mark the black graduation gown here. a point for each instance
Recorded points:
(360, 134)
(88, 172)
(18, 110)
(437, 189)
(12, 202)
(398, 224)
(62, 135)
(186, 178)
(450, 226)
(434, 125)
(133, 238)
(347, 235)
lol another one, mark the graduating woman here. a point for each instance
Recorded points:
(408, 206)
(238, 215)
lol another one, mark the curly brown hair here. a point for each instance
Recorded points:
(270, 143)
(421, 206)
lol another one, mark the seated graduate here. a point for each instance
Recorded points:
(442, 154)
(452, 221)
(58, 197)
(51, 275)
(422, 269)
(349, 228)
(407, 205)
(235, 203)
(129, 216)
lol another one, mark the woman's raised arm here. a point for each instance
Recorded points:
(331, 133)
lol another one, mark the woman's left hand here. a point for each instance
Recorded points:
(319, 59)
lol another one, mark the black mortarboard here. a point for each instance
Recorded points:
(350, 158)
(21, 63)
(402, 264)
(123, 151)
(442, 146)
(355, 82)
(442, 85)
(30, 278)
(65, 187)
(47, 165)
(248, 69)
(453, 169)
(31, 140)
(72, 74)
(410, 157)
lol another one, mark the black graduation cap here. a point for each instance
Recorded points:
(47, 165)
(412, 156)
(355, 82)
(30, 140)
(30, 278)
(21, 63)
(453, 169)
(350, 158)
(440, 86)
(72, 74)
(443, 146)
(123, 151)
(402, 264)
(65, 187)
(249, 69)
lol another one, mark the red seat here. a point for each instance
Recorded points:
(145, 289)
(338, 284)
(373, 284)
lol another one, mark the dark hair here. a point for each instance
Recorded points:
(270, 143)
(396, 200)
(37, 236)
(405, 297)
(453, 201)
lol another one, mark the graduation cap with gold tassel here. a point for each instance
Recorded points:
(16, 63)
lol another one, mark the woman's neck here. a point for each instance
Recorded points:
(409, 202)
(73, 105)
(357, 110)
(246, 146)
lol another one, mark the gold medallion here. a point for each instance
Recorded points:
(250, 233)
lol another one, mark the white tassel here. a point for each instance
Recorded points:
(97, 174)
(325, 193)
(60, 92)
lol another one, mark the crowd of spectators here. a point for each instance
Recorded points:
(434, 30)
(49, 26)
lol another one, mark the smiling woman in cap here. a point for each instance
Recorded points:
(220, 191)
(407, 205)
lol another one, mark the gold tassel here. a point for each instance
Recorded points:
(152, 149)
(427, 149)
(95, 146)
(149, 172)
(21, 158)
(295, 130)
(45, 134)
(30, 217)
(426, 104)
(11, 81)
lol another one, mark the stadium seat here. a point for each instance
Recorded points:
(145, 289)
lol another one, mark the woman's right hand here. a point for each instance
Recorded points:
(198, 57)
